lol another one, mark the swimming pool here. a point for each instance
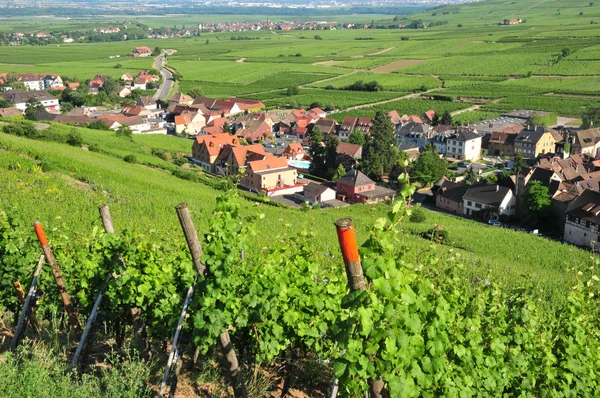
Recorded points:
(299, 164)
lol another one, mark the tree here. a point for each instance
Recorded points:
(435, 120)
(590, 117)
(323, 154)
(109, 85)
(66, 107)
(33, 108)
(98, 125)
(470, 176)
(292, 91)
(535, 120)
(4, 103)
(74, 138)
(125, 132)
(446, 119)
(314, 105)
(491, 178)
(518, 167)
(196, 92)
(339, 173)
(156, 52)
(429, 167)
(537, 200)
(226, 128)
(357, 137)
(380, 151)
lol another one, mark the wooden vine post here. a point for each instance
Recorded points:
(21, 324)
(356, 280)
(191, 236)
(139, 327)
(62, 289)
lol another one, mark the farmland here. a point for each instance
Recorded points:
(553, 53)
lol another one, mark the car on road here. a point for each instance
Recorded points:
(281, 143)
(269, 145)
(495, 223)
(463, 164)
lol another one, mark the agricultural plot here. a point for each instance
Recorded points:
(405, 107)
(336, 99)
(390, 82)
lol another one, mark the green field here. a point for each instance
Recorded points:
(478, 59)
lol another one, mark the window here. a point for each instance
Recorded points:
(460, 143)
(459, 150)
(584, 234)
(478, 205)
(469, 203)
(587, 224)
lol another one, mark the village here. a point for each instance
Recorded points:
(270, 150)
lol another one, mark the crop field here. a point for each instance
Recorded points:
(555, 50)
(405, 107)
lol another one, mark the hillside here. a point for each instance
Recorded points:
(71, 182)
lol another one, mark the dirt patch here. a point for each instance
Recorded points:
(394, 66)
(382, 51)
(240, 60)
(329, 63)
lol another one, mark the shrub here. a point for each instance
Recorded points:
(159, 153)
(74, 138)
(180, 161)
(437, 234)
(418, 214)
(130, 159)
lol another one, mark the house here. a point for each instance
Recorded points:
(190, 123)
(498, 199)
(271, 175)
(33, 83)
(501, 143)
(353, 151)
(586, 141)
(429, 116)
(583, 220)
(73, 86)
(139, 83)
(246, 104)
(127, 77)
(347, 126)
(320, 113)
(395, 118)
(294, 151)
(317, 193)
(9, 112)
(326, 126)
(96, 82)
(512, 21)
(449, 196)
(135, 111)
(533, 141)
(206, 149)
(53, 82)
(234, 158)
(215, 126)
(180, 98)
(142, 51)
(464, 145)
(356, 187)
(19, 98)
(122, 92)
(147, 102)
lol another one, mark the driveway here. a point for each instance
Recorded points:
(167, 79)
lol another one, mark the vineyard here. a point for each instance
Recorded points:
(434, 319)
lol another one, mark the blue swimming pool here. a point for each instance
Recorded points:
(299, 164)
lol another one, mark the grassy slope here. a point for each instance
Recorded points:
(143, 198)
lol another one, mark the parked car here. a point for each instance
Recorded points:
(495, 223)
(463, 164)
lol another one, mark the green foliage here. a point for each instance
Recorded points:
(130, 159)
(357, 137)
(75, 138)
(380, 153)
(323, 154)
(417, 215)
(429, 167)
(537, 199)
(196, 92)
(39, 372)
(339, 173)
(446, 118)
(591, 117)
(124, 132)
(292, 91)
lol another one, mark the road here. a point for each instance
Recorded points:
(167, 79)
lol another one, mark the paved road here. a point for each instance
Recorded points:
(167, 77)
